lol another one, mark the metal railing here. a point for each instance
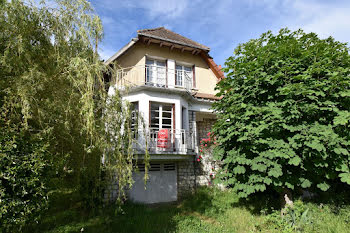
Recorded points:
(179, 141)
(156, 76)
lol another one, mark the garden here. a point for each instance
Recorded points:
(207, 210)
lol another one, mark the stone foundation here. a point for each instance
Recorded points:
(192, 174)
(186, 179)
(111, 193)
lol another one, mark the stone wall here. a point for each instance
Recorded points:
(205, 170)
(186, 179)
(206, 166)
(204, 127)
(111, 192)
(192, 174)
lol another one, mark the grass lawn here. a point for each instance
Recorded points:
(209, 210)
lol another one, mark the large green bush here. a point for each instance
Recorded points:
(23, 174)
(284, 119)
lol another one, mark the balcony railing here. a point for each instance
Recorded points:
(156, 76)
(166, 141)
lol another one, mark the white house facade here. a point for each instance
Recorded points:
(170, 81)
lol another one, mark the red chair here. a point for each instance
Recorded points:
(163, 138)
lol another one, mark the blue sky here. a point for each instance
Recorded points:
(220, 24)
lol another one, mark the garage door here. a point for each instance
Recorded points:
(161, 186)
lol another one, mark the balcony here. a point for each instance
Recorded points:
(165, 141)
(154, 76)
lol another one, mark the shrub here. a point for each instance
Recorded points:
(283, 121)
(23, 167)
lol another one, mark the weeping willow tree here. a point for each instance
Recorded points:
(53, 102)
(118, 155)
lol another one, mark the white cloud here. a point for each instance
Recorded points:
(324, 19)
(154, 8)
(166, 8)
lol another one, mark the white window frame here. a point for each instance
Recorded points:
(183, 71)
(156, 70)
(160, 115)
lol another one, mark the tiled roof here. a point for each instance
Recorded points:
(162, 33)
(206, 96)
(213, 66)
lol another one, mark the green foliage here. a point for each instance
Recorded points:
(284, 118)
(118, 155)
(23, 171)
(207, 210)
(295, 219)
(52, 99)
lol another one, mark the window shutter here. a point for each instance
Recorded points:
(149, 114)
(174, 129)
(175, 76)
(166, 73)
(194, 76)
(146, 67)
(173, 116)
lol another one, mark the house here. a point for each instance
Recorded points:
(170, 80)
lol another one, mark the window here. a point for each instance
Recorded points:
(183, 76)
(161, 116)
(155, 72)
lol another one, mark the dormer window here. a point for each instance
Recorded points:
(183, 76)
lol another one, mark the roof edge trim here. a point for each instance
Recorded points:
(121, 51)
(213, 66)
(173, 41)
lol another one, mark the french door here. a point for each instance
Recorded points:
(155, 72)
(161, 116)
(162, 133)
(183, 76)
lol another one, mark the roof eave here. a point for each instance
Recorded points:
(173, 41)
(121, 51)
